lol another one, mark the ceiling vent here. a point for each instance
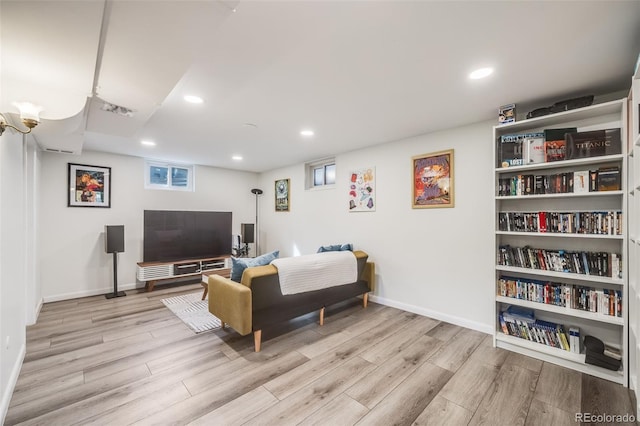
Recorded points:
(59, 151)
(117, 109)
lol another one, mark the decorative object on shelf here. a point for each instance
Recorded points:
(433, 180)
(362, 196)
(89, 186)
(282, 195)
(560, 106)
(257, 192)
(507, 114)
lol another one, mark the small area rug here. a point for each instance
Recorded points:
(193, 312)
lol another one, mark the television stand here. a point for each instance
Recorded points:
(153, 272)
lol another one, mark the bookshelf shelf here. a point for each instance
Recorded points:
(563, 195)
(560, 310)
(561, 275)
(566, 163)
(557, 356)
(611, 329)
(562, 235)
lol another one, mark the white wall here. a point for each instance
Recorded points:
(12, 264)
(436, 262)
(72, 258)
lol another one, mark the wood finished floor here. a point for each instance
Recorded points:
(131, 361)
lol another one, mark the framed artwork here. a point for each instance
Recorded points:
(362, 190)
(89, 186)
(432, 180)
(282, 195)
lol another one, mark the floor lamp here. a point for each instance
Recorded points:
(257, 192)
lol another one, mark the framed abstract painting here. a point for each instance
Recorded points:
(432, 176)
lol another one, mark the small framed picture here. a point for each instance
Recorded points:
(282, 195)
(433, 180)
(89, 186)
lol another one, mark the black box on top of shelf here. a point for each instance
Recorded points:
(594, 143)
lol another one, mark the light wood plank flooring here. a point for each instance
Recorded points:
(131, 361)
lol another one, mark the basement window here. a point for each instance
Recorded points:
(173, 177)
(321, 173)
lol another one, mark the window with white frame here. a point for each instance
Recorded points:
(321, 174)
(173, 177)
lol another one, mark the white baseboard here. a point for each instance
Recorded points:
(11, 384)
(462, 322)
(86, 293)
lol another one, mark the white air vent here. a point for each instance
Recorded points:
(117, 109)
(59, 151)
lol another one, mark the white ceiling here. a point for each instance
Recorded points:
(358, 73)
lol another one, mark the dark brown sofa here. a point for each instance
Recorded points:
(257, 301)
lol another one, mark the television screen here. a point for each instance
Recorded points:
(181, 235)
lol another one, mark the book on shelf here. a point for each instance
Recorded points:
(593, 143)
(533, 148)
(593, 180)
(609, 179)
(581, 181)
(579, 222)
(532, 329)
(574, 340)
(555, 143)
(511, 150)
(603, 264)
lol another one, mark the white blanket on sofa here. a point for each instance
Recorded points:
(316, 271)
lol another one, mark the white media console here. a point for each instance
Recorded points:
(152, 272)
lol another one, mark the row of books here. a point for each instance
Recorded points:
(557, 145)
(602, 264)
(598, 223)
(535, 330)
(582, 181)
(602, 301)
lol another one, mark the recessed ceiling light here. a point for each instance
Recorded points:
(148, 143)
(193, 99)
(307, 133)
(237, 157)
(481, 73)
(251, 125)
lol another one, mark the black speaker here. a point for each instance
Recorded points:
(247, 231)
(114, 238)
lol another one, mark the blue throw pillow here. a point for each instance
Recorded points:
(336, 247)
(239, 264)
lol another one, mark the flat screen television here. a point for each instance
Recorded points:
(180, 235)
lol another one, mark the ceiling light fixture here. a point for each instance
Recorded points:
(148, 143)
(29, 114)
(193, 99)
(481, 73)
(307, 133)
(237, 157)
